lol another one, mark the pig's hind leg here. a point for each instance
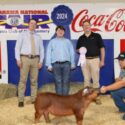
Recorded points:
(46, 116)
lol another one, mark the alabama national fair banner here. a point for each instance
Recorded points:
(106, 19)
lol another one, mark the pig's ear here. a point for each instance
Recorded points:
(85, 91)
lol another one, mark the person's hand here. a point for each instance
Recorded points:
(103, 89)
(19, 63)
(50, 69)
(39, 65)
(101, 64)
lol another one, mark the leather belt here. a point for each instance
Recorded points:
(30, 56)
(93, 57)
(59, 62)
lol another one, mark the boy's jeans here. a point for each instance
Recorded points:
(62, 77)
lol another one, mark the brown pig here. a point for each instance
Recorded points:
(59, 105)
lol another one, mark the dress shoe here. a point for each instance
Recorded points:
(32, 102)
(21, 104)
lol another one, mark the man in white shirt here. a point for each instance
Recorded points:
(29, 54)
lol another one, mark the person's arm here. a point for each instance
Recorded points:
(102, 50)
(78, 45)
(41, 54)
(18, 47)
(72, 55)
(48, 56)
(114, 86)
(102, 61)
(18, 50)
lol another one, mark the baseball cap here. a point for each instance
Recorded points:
(121, 56)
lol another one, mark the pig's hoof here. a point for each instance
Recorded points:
(98, 102)
(36, 121)
(48, 121)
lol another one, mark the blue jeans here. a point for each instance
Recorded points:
(118, 96)
(62, 77)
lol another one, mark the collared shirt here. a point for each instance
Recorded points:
(23, 45)
(93, 43)
(60, 49)
(122, 74)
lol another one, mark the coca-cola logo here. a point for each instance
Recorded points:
(108, 23)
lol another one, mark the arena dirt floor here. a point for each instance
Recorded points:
(104, 114)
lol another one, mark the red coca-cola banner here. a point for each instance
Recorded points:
(104, 22)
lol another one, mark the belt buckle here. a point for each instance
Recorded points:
(30, 56)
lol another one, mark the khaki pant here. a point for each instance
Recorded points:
(29, 66)
(91, 72)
